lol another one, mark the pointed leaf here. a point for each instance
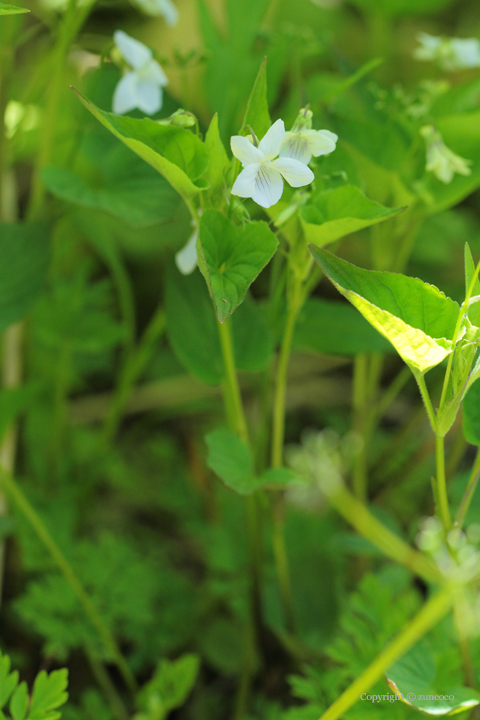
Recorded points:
(257, 115)
(48, 694)
(474, 310)
(416, 318)
(8, 680)
(19, 702)
(12, 10)
(230, 258)
(471, 414)
(174, 152)
(332, 214)
(218, 161)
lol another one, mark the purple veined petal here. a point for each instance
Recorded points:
(125, 95)
(245, 151)
(149, 96)
(296, 147)
(244, 185)
(271, 142)
(295, 173)
(268, 186)
(186, 259)
(133, 51)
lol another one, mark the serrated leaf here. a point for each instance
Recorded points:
(48, 694)
(416, 318)
(24, 249)
(471, 414)
(175, 153)
(19, 702)
(474, 310)
(257, 114)
(230, 258)
(336, 328)
(8, 680)
(12, 10)
(413, 677)
(332, 214)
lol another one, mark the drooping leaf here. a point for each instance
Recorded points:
(471, 414)
(332, 214)
(12, 10)
(230, 258)
(193, 332)
(49, 693)
(335, 328)
(174, 152)
(416, 318)
(256, 114)
(414, 678)
(24, 249)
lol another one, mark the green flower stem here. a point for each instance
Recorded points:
(426, 401)
(360, 517)
(459, 614)
(233, 398)
(106, 685)
(281, 562)
(132, 369)
(431, 613)
(13, 489)
(469, 490)
(441, 484)
(360, 405)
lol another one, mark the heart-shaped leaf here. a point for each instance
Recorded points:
(230, 258)
(332, 214)
(176, 153)
(415, 317)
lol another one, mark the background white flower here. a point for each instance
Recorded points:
(141, 87)
(449, 53)
(441, 161)
(186, 259)
(301, 145)
(262, 176)
(160, 7)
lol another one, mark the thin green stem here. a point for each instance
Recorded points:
(459, 614)
(469, 490)
(13, 489)
(441, 483)
(426, 401)
(431, 613)
(106, 685)
(360, 398)
(282, 566)
(232, 388)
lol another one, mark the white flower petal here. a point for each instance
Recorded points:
(149, 96)
(320, 142)
(133, 51)
(186, 259)
(245, 151)
(466, 52)
(244, 185)
(154, 72)
(270, 144)
(125, 95)
(169, 11)
(295, 173)
(268, 186)
(429, 46)
(296, 147)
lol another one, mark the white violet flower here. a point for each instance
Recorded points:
(302, 142)
(186, 259)
(142, 86)
(449, 53)
(160, 7)
(441, 161)
(262, 176)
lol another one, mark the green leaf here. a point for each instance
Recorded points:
(471, 414)
(218, 161)
(230, 258)
(12, 10)
(328, 86)
(175, 153)
(48, 694)
(416, 318)
(397, 8)
(414, 677)
(473, 311)
(8, 680)
(131, 192)
(229, 457)
(19, 702)
(332, 214)
(24, 249)
(335, 328)
(256, 114)
(170, 686)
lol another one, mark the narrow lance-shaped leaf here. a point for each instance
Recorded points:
(12, 10)
(332, 214)
(474, 309)
(230, 258)
(256, 114)
(176, 153)
(415, 317)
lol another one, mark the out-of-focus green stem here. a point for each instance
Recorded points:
(441, 484)
(360, 397)
(427, 402)
(233, 396)
(13, 489)
(432, 612)
(469, 490)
